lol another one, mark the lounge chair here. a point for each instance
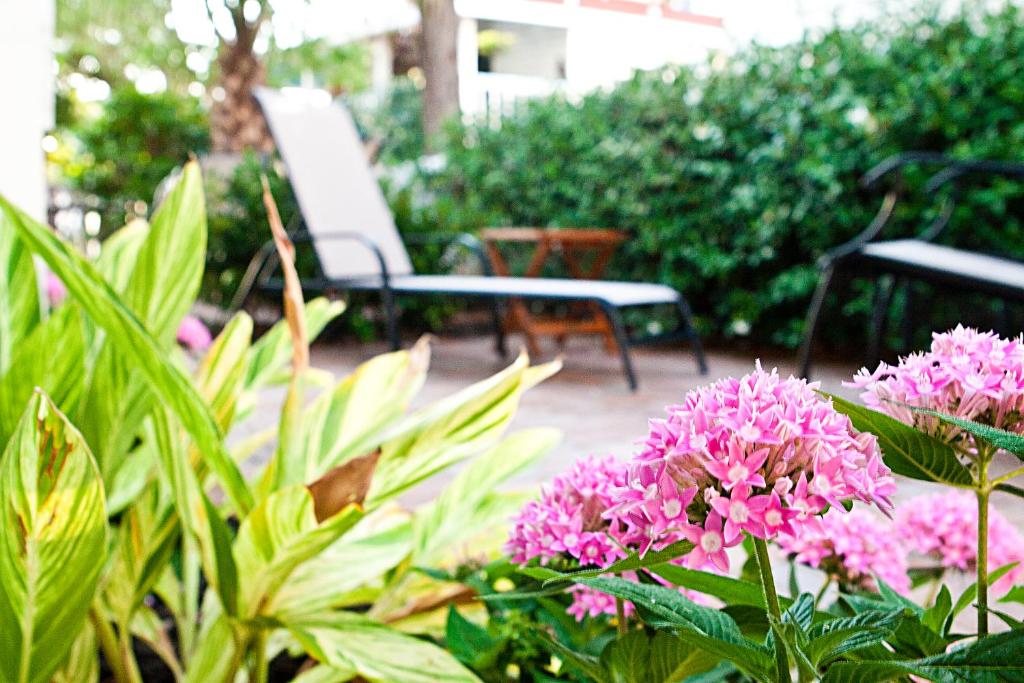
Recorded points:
(358, 247)
(899, 262)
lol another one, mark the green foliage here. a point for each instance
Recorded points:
(53, 537)
(395, 121)
(290, 547)
(135, 142)
(338, 68)
(238, 221)
(734, 177)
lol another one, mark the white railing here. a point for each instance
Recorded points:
(491, 95)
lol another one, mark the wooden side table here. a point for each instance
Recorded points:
(573, 246)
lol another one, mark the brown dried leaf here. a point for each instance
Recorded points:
(294, 308)
(343, 485)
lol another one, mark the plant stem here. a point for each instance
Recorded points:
(982, 562)
(822, 590)
(108, 644)
(236, 657)
(259, 657)
(771, 601)
(130, 666)
(620, 616)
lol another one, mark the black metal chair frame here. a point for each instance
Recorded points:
(890, 274)
(258, 276)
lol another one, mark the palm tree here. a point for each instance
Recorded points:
(236, 122)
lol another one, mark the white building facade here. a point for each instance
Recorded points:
(571, 46)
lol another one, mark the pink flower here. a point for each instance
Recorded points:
(56, 292)
(970, 374)
(590, 602)
(737, 469)
(709, 544)
(852, 547)
(774, 517)
(194, 334)
(567, 521)
(944, 526)
(766, 456)
(741, 513)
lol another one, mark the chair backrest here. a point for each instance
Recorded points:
(333, 182)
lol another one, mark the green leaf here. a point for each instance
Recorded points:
(712, 630)
(730, 590)
(51, 357)
(935, 616)
(587, 664)
(352, 642)
(219, 378)
(347, 422)
(322, 673)
(128, 335)
(164, 279)
(627, 659)
(276, 537)
(456, 513)
(169, 265)
(451, 430)
(273, 350)
(907, 451)
(373, 547)
(471, 644)
(82, 664)
(53, 541)
(1015, 594)
(1000, 438)
(630, 563)
(673, 660)
(971, 592)
(120, 252)
(801, 612)
(199, 516)
(835, 638)
(997, 658)
(663, 658)
(19, 295)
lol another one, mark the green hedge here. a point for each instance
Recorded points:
(735, 176)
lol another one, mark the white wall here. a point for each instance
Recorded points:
(26, 94)
(606, 47)
(603, 47)
(536, 50)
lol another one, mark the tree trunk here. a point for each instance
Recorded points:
(236, 122)
(440, 69)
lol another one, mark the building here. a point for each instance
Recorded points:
(514, 49)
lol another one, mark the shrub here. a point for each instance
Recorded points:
(736, 175)
(137, 140)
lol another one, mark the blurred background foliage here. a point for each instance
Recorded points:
(733, 176)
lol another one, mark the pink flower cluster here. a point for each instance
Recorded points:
(853, 547)
(760, 454)
(193, 334)
(944, 526)
(56, 292)
(568, 519)
(567, 523)
(590, 602)
(967, 373)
